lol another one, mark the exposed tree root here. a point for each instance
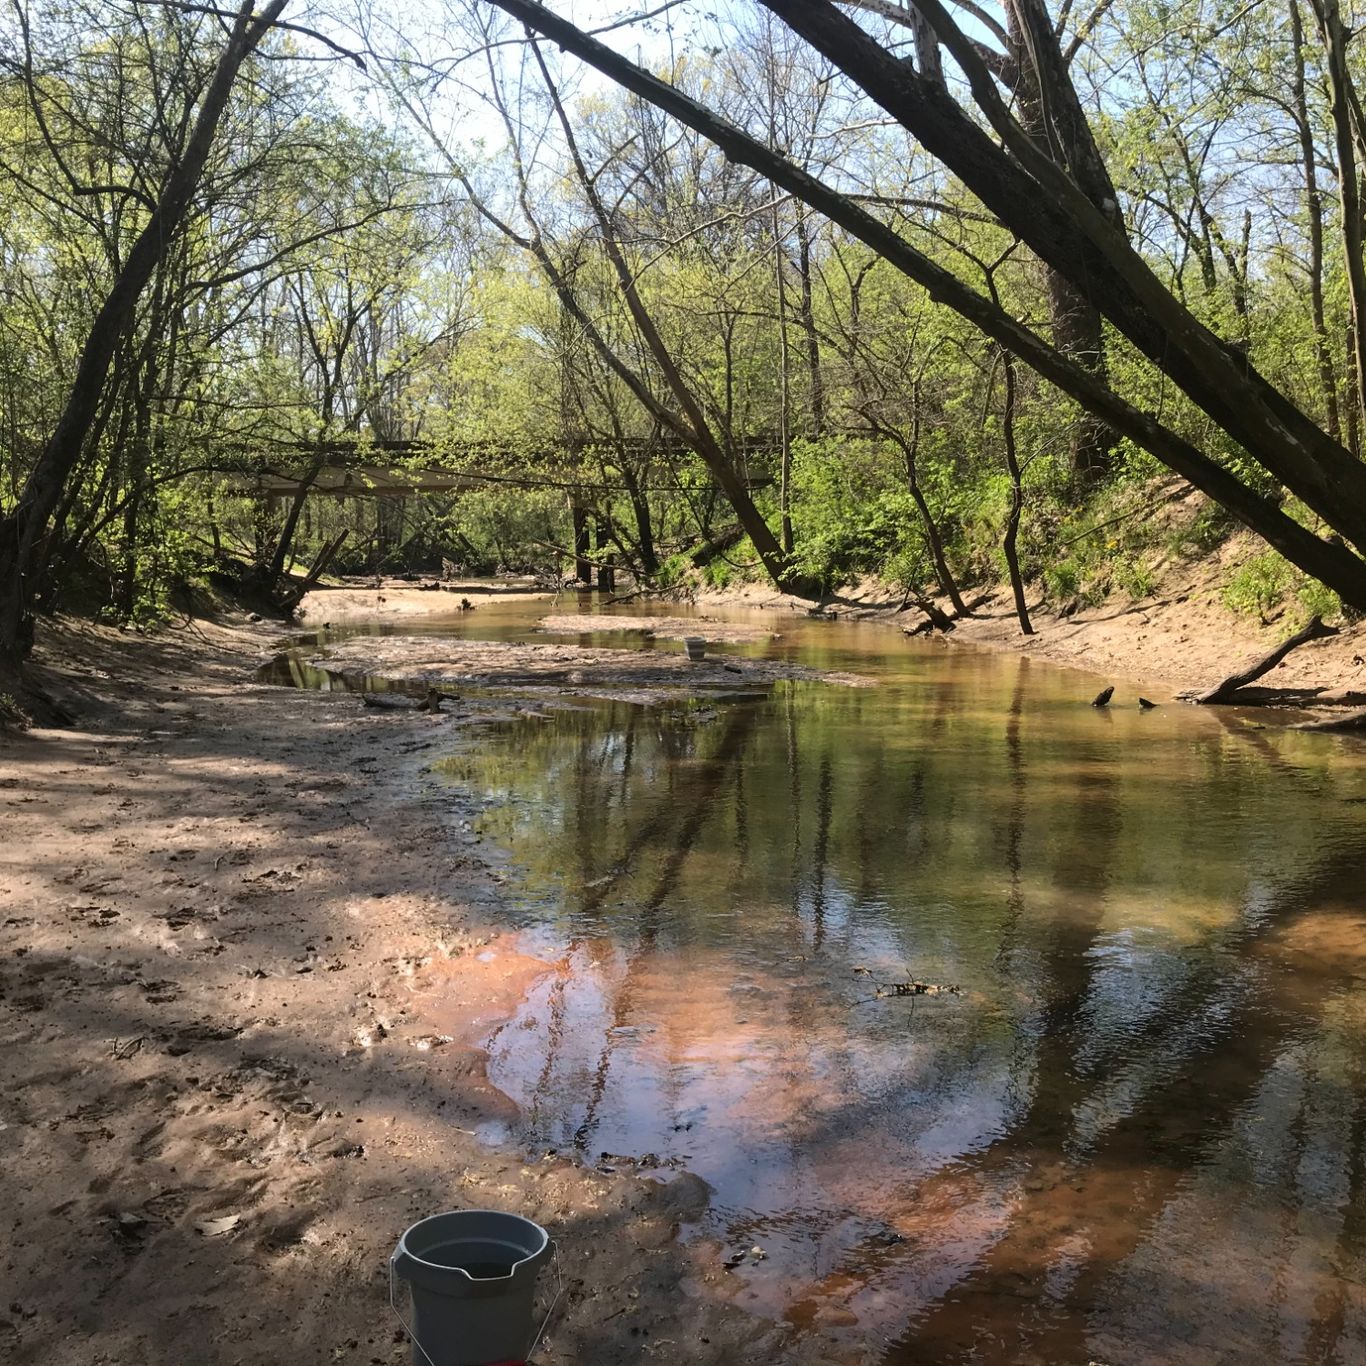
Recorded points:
(24, 703)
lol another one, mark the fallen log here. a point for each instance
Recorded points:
(1224, 692)
(387, 701)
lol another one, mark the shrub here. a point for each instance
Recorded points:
(1135, 578)
(1062, 580)
(1259, 585)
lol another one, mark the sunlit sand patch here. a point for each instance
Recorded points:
(466, 997)
(1331, 939)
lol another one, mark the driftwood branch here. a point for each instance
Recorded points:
(1224, 692)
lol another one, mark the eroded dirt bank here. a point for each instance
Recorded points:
(226, 912)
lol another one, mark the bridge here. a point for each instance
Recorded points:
(352, 470)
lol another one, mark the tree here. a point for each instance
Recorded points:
(1050, 203)
(24, 531)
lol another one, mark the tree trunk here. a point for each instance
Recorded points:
(279, 558)
(910, 449)
(583, 563)
(1342, 98)
(1016, 495)
(645, 535)
(1075, 321)
(1313, 204)
(784, 392)
(602, 540)
(816, 379)
(23, 534)
(1333, 481)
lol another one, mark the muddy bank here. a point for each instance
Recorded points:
(565, 670)
(248, 959)
(666, 628)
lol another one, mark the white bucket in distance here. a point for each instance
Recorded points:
(472, 1278)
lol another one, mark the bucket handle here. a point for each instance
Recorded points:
(540, 1332)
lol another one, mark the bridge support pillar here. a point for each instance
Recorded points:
(607, 573)
(583, 566)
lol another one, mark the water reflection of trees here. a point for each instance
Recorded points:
(1128, 930)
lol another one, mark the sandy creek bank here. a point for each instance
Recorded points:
(1182, 639)
(226, 911)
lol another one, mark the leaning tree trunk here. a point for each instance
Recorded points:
(24, 533)
(1241, 401)
(275, 571)
(1050, 211)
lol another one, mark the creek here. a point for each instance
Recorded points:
(1134, 1131)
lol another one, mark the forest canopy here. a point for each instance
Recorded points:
(797, 289)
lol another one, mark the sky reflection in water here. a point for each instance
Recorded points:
(1138, 1134)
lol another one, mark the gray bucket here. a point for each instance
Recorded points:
(696, 647)
(472, 1278)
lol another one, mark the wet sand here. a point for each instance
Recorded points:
(561, 670)
(225, 910)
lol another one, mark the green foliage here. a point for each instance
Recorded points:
(833, 549)
(1259, 585)
(1135, 577)
(1316, 600)
(517, 530)
(1063, 580)
(12, 715)
(673, 571)
(1205, 532)
(387, 310)
(1267, 581)
(718, 573)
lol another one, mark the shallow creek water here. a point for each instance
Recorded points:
(1137, 1133)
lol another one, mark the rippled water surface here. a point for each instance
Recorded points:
(1137, 1133)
